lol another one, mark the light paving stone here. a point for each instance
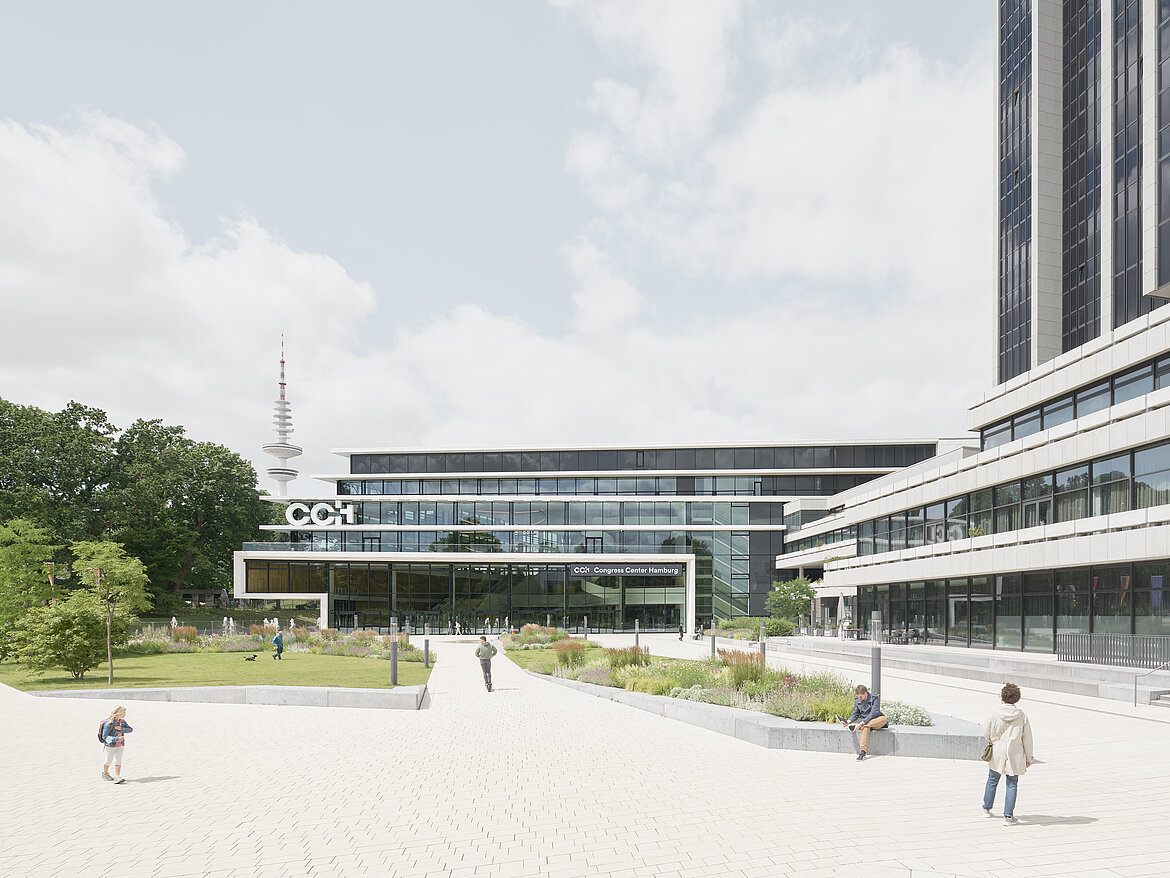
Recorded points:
(536, 777)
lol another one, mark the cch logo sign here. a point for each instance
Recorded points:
(319, 515)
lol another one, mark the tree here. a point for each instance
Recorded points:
(119, 584)
(25, 550)
(183, 507)
(56, 466)
(69, 633)
(787, 600)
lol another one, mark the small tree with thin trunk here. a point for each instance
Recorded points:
(116, 584)
(788, 600)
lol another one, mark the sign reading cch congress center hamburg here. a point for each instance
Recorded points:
(603, 537)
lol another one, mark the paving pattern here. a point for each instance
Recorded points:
(536, 779)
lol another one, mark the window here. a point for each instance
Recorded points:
(1026, 424)
(1151, 476)
(997, 435)
(981, 513)
(957, 518)
(1093, 399)
(1057, 412)
(1007, 507)
(1111, 485)
(1072, 494)
(1133, 384)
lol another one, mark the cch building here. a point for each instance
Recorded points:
(600, 537)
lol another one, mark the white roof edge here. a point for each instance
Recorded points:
(630, 446)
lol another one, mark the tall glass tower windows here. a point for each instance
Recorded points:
(1081, 260)
(1128, 301)
(1163, 149)
(1015, 184)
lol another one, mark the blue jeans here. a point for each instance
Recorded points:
(1009, 800)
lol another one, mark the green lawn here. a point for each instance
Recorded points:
(224, 669)
(526, 658)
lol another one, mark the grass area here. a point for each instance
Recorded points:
(224, 669)
(526, 658)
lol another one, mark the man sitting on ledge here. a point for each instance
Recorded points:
(867, 715)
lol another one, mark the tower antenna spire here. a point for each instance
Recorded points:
(282, 449)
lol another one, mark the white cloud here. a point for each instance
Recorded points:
(864, 178)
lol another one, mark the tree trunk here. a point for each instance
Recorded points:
(109, 642)
(188, 560)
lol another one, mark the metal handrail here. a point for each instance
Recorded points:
(1160, 667)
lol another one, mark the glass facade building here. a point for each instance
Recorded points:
(1056, 520)
(494, 533)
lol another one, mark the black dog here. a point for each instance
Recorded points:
(249, 658)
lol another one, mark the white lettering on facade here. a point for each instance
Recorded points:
(318, 515)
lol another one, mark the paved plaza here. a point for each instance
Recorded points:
(536, 779)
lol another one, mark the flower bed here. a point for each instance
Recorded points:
(360, 644)
(734, 679)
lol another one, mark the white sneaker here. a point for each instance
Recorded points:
(987, 812)
(119, 779)
(1010, 821)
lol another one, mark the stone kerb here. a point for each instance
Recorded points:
(400, 698)
(948, 738)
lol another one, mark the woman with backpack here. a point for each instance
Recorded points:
(112, 733)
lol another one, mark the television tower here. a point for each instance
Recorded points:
(282, 449)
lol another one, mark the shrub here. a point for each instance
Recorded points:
(596, 676)
(717, 695)
(265, 631)
(743, 666)
(302, 634)
(631, 655)
(366, 635)
(689, 674)
(236, 643)
(902, 714)
(570, 652)
(653, 684)
(327, 633)
(148, 647)
(186, 633)
(779, 628)
(693, 693)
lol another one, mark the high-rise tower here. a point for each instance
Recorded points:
(1084, 173)
(282, 449)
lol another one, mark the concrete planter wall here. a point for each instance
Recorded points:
(400, 698)
(948, 738)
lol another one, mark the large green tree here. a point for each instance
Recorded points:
(26, 551)
(179, 505)
(183, 507)
(118, 585)
(790, 599)
(56, 467)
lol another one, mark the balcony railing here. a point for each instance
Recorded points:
(1123, 650)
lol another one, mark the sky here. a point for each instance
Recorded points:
(532, 223)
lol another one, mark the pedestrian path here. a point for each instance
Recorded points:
(536, 779)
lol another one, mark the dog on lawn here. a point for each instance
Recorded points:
(249, 658)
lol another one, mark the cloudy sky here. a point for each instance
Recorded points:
(500, 224)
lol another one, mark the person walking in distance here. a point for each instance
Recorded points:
(1010, 735)
(113, 731)
(484, 653)
(278, 642)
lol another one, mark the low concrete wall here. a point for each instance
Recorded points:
(948, 738)
(400, 698)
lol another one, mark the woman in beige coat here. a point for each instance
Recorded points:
(1010, 735)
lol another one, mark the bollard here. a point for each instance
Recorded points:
(875, 669)
(636, 634)
(763, 642)
(712, 638)
(393, 650)
(426, 653)
(548, 620)
(586, 626)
